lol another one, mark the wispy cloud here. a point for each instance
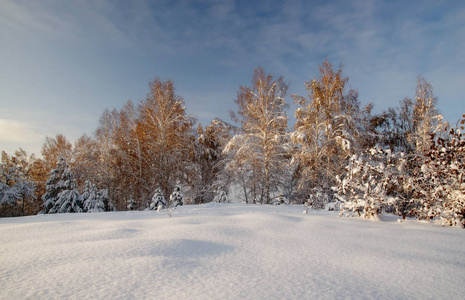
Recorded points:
(18, 132)
(78, 57)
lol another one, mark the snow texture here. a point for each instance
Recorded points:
(228, 251)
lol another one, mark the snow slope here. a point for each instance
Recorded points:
(228, 251)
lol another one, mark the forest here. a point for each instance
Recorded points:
(338, 155)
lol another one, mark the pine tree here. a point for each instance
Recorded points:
(102, 195)
(91, 200)
(61, 192)
(208, 160)
(16, 190)
(177, 197)
(54, 186)
(69, 201)
(158, 200)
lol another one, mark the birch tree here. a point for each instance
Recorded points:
(426, 118)
(105, 163)
(257, 152)
(166, 135)
(326, 127)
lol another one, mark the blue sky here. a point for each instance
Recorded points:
(63, 62)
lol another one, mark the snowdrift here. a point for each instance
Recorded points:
(228, 251)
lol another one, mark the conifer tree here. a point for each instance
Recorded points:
(177, 197)
(158, 200)
(208, 160)
(54, 186)
(91, 200)
(16, 190)
(61, 194)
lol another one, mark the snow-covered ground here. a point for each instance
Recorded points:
(228, 251)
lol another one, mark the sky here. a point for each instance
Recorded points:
(62, 63)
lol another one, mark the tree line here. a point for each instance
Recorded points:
(154, 144)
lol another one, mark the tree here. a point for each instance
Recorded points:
(107, 156)
(69, 201)
(208, 160)
(18, 185)
(426, 119)
(374, 181)
(38, 174)
(91, 200)
(258, 153)
(132, 159)
(177, 197)
(16, 190)
(61, 194)
(166, 136)
(56, 148)
(326, 128)
(85, 156)
(158, 200)
(438, 185)
(102, 195)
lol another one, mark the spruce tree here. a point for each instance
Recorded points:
(157, 200)
(92, 201)
(177, 197)
(54, 186)
(61, 195)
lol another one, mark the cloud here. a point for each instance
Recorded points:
(18, 132)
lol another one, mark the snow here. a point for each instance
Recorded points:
(228, 251)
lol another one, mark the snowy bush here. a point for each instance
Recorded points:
(13, 186)
(131, 204)
(280, 200)
(319, 198)
(438, 187)
(220, 197)
(373, 183)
